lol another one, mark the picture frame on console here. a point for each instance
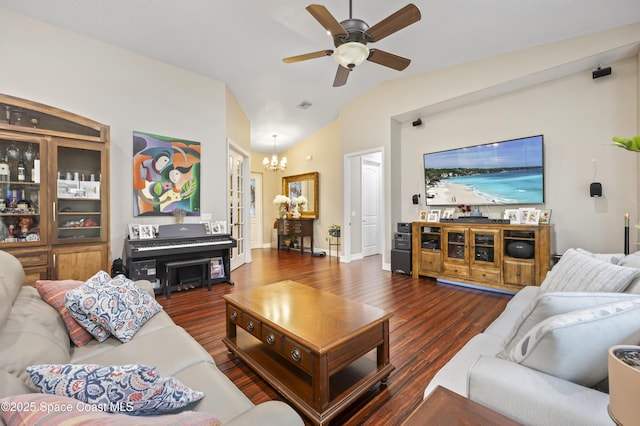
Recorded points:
(448, 213)
(433, 216)
(146, 232)
(513, 215)
(134, 231)
(423, 215)
(545, 217)
(207, 226)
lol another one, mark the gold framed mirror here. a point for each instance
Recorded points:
(306, 185)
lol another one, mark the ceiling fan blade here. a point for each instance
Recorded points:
(306, 56)
(326, 19)
(342, 74)
(395, 22)
(388, 59)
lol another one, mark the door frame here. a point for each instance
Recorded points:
(245, 191)
(366, 159)
(349, 203)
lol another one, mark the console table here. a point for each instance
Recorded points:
(295, 228)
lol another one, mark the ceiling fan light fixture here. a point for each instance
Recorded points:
(351, 54)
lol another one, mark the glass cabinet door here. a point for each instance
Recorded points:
(456, 245)
(79, 205)
(21, 196)
(484, 247)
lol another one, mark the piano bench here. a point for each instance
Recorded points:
(169, 267)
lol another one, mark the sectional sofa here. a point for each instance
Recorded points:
(33, 333)
(543, 361)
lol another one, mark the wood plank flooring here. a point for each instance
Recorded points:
(431, 323)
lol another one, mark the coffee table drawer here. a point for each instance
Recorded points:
(234, 314)
(272, 338)
(252, 325)
(297, 354)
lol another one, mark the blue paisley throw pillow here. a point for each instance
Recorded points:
(130, 389)
(118, 306)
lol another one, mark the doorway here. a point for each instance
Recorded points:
(363, 209)
(238, 200)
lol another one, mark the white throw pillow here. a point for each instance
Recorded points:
(555, 303)
(580, 272)
(573, 346)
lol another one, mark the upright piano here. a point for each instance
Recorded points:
(145, 258)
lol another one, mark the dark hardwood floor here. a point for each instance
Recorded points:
(430, 323)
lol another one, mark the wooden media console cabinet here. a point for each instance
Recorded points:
(500, 256)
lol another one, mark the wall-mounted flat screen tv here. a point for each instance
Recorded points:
(500, 173)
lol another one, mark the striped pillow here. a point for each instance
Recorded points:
(54, 410)
(580, 272)
(53, 293)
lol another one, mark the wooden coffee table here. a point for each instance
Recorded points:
(319, 350)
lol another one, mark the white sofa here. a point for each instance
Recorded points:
(32, 332)
(480, 371)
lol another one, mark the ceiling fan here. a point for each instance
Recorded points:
(350, 37)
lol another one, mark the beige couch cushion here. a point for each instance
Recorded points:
(11, 280)
(33, 334)
(573, 346)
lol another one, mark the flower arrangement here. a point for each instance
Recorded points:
(179, 214)
(464, 208)
(300, 201)
(282, 201)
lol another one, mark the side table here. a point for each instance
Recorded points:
(334, 241)
(445, 407)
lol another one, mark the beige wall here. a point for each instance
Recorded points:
(238, 126)
(128, 92)
(319, 153)
(455, 89)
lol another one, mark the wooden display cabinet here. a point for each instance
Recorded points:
(54, 204)
(478, 254)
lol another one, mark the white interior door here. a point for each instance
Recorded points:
(370, 207)
(237, 211)
(255, 209)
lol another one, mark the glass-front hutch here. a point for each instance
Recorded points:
(53, 190)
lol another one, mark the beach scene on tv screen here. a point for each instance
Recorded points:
(509, 172)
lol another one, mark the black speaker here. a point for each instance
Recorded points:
(520, 249)
(601, 72)
(401, 261)
(595, 189)
(417, 122)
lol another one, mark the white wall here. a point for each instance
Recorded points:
(578, 116)
(456, 89)
(124, 90)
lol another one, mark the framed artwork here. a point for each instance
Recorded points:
(534, 216)
(448, 213)
(545, 217)
(513, 215)
(219, 227)
(423, 215)
(207, 226)
(434, 216)
(146, 232)
(166, 175)
(134, 231)
(217, 268)
(524, 213)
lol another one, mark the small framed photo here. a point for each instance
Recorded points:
(134, 231)
(217, 268)
(207, 226)
(146, 232)
(534, 217)
(513, 215)
(448, 213)
(219, 227)
(524, 214)
(154, 230)
(434, 216)
(423, 215)
(545, 217)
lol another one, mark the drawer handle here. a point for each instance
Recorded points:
(234, 315)
(271, 339)
(295, 355)
(250, 325)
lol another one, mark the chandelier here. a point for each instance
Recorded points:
(273, 164)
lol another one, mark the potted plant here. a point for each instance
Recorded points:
(334, 231)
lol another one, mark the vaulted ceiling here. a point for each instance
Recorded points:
(242, 43)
